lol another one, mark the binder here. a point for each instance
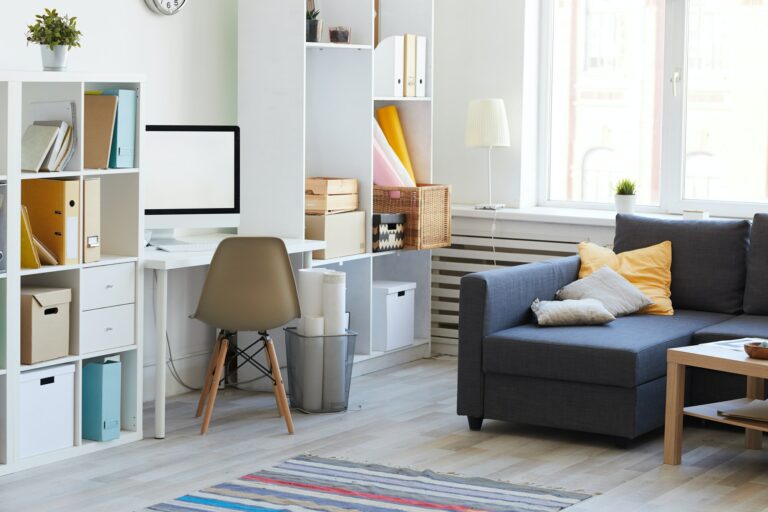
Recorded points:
(100, 111)
(388, 68)
(36, 145)
(49, 164)
(54, 207)
(409, 85)
(124, 136)
(3, 233)
(421, 66)
(91, 220)
(101, 400)
(29, 257)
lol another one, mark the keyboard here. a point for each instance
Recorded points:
(186, 247)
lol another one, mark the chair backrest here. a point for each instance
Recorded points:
(249, 286)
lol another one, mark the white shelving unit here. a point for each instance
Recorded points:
(316, 119)
(121, 235)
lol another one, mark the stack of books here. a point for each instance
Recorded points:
(50, 141)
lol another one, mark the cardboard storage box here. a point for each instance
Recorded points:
(344, 233)
(44, 323)
(46, 410)
(393, 310)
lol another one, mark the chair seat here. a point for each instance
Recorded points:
(626, 352)
(743, 326)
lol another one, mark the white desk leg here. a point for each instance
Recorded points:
(306, 259)
(161, 321)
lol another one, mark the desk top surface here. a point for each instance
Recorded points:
(153, 258)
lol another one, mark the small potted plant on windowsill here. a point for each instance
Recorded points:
(625, 196)
(314, 25)
(56, 35)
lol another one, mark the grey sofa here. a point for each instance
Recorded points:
(610, 379)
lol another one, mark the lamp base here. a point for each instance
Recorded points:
(489, 206)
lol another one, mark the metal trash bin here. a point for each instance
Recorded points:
(319, 370)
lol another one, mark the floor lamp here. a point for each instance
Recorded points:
(487, 127)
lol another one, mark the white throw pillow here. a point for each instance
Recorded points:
(618, 295)
(571, 312)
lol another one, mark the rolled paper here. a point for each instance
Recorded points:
(392, 157)
(383, 172)
(314, 325)
(334, 302)
(311, 292)
(389, 120)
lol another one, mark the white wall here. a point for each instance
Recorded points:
(190, 62)
(478, 54)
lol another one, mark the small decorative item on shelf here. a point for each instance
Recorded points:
(56, 35)
(625, 196)
(340, 34)
(314, 25)
(757, 349)
(388, 231)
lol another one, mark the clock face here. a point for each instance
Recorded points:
(167, 7)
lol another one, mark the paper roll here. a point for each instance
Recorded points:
(334, 302)
(391, 156)
(311, 291)
(313, 325)
(335, 373)
(313, 373)
(383, 173)
(389, 120)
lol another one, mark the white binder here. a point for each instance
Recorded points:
(421, 66)
(388, 68)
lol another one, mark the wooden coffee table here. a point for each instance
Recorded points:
(713, 357)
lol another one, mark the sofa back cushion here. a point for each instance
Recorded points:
(756, 291)
(709, 258)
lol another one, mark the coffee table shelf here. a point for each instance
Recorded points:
(709, 412)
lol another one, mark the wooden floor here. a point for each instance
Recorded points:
(402, 417)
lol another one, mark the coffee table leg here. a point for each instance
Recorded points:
(673, 424)
(755, 390)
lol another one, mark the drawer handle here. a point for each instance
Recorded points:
(108, 329)
(109, 286)
(47, 380)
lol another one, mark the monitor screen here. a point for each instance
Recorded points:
(191, 170)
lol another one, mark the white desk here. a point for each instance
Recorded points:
(162, 262)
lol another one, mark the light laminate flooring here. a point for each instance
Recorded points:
(401, 417)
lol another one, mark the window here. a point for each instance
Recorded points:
(669, 93)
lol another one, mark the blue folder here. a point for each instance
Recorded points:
(101, 401)
(121, 155)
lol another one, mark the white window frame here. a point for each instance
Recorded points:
(673, 149)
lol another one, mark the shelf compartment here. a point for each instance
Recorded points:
(46, 364)
(709, 412)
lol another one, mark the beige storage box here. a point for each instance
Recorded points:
(44, 323)
(344, 234)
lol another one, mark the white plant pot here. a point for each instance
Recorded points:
(625, 204)
(54, 59)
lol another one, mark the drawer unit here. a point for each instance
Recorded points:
(109, 285)
(107, 328)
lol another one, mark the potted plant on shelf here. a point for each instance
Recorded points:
(314, 25)
(55, 34)
(625, 196)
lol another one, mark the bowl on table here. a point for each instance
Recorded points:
(756, 350)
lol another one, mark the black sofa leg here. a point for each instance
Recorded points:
(475, 423)
(622, 443)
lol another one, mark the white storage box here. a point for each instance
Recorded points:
(393, 306)
(47, 410)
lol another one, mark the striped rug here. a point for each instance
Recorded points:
(309, 483)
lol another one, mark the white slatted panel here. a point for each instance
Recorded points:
(475, 254)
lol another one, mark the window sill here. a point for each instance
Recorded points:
(549, 214)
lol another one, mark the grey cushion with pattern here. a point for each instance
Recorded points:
(709, 258)
(619, 296)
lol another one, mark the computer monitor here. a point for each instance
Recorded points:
(191, 176)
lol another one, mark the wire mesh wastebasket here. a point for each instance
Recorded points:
(319, 370)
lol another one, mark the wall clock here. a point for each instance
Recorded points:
(166, 7)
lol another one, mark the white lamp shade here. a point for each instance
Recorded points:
(487, 124)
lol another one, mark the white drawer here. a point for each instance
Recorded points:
(110, 285)
(106, 328)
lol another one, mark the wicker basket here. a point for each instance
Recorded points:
(427, 210)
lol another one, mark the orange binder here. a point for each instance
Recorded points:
(389, 120)
(99, 113)
(54, 207)
(29, 257)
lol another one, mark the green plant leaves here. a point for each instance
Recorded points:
(51, 29)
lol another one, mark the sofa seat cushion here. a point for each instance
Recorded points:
(743, 326)
(627, 352)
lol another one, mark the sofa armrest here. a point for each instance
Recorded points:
(496, 300)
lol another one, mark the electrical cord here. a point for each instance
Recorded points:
(493, 236)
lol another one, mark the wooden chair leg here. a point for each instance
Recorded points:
(223, 347)
(282, 400)
(206, 390)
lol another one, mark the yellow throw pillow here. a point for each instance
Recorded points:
(648, 268)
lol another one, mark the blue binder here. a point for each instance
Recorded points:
(101, 401)
(121, 155)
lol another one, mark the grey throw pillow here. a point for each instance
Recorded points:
(570, 312)
(618, 295)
